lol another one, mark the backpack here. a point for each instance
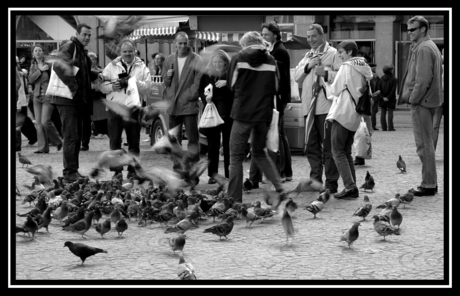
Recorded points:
(364, 102)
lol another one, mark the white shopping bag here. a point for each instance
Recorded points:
(133, 94)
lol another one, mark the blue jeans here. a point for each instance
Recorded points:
(319, 153)
(383, 120)
(191, 129)
(342, 140)
(115, 125)
(238, 139)
(422, 124)
(71, 119)
(436, 123)
(46, 131)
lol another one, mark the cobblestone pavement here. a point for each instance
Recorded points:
(259, 252)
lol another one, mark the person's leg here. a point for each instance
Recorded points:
(238, 138)
(287, 168)
(255, 175)
(390, 119)
(20, 118)
(115, 130)
(330, 169)
(260, 157)
(383, 121)
(51, 131)
(213, 136)
(374, 110)
(340, 138)
(422, 123)
(436, 123)
(28, 127)
(71, 126)
(173, 122)
(133, 137)
(41, 134)
(55, 118)
(191, 129)
(86, 131)
(228, 122)
(315, 152)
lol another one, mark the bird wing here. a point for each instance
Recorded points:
(120, 109)
(286, 221)
(44, 174)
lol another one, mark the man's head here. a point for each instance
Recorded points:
(127, 50)
(83, 33)
(181, 42)
(251, 38)
(417, 28)
(315, 35)
(159, 59)
(388, 69)
(271, 32)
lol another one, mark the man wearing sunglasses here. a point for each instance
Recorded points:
(422, 89)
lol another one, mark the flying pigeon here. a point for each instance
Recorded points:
(306, 185)
(44, 173)
(111, 159)
(351, 234)
(286, 221)
(83, 251)
(401, 165)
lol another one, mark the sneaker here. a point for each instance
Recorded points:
(288, 179)
(351, 193)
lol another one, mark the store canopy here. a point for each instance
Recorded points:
(297, 42)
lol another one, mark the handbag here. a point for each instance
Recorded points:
(210, 117)
(58, 88)
(273, 133)
(362, 145)
(364, 102)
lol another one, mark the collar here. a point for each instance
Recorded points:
(319, 51)
(414, 46)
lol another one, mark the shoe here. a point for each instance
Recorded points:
(59, 147)
(283, 179)
(83, 148)
(146, 140)
(255, 185)
(392, 130)
(80, 175)
(351, 193)
(125, 144)
(288, 179)
(71, 178)
(419, 188)
(31, 143)
(40, 151)
(332, 191)
(212, 181)
(374, 128)
(359, 162)
(384, 129)
(422, 191)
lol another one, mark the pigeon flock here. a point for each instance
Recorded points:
(158, 195)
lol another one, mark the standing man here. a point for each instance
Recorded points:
(272, 34)
(182, 72)
(133, 67)
(375, 97)
(72, 111)
(422, 88)
(316, 71)
(253, 78)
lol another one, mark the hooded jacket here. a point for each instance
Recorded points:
(283, 61)
(138, 70)
(387, 86)
(253, 77)
(352, 75)
(422, 83)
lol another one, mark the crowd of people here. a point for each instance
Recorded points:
(245, 90)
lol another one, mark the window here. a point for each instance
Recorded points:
(352, 27)
(286, 24)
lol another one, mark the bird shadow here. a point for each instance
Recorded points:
(71, 267)
(25, 240)
(346, 249)
(382, 241)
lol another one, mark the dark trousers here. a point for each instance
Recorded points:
(214, 136)
(191, 129)
(374, 110)
(28, 128)
(383, 119)
(319, 153)
(342, 140)
(86, 132)
(115, 125)
(100, 127)
(71, 120)
(285, 151)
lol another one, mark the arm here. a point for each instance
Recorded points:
(144, 85)
(106, 86)
(300, 74)
(34, 73)
(339, 82)
(168, 64)
(201, 88)
(198, 65)
(423, 75)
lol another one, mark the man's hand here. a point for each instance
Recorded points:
(170, 72)
(319, 70)
(313, 62)
(221, 83)
(43, 67)
(116, 86)
(385, 99)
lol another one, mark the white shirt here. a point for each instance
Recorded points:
(181, 62)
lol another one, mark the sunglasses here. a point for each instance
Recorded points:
(412, 30)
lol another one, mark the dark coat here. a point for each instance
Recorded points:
(387, 86)
(221, 97)
(282, 58)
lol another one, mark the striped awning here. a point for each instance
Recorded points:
(207, 36)
(231, 37)
(153, 32)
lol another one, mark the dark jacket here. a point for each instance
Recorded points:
(374, 82)
(253, 78)
(282, 58)
(221, 97)
(387, 86)
(81, 83)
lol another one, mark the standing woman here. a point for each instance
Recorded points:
(39, 77)
(222, 97)
(348, 85)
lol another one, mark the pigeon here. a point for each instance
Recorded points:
(179, 210)
(230, 212)
(74, 217)
(97, 214)
(383, 228)
(219, 208)
(81, 226)
(221, 229)
(315, 207)
(369, 182)
(394, 201)
(306, 185)
(395, 217)
(115, 215)
(44, 173)
(103, 227)
(273, 198)
(161, 176)
(181, 227)
(250, 217)
(222, 181)
(121, 109)
(324, 197)
(247, 185)
(176, 243)
(261, 212)
(286, 221)
(36, 185)
(401, 165)
(185, 270)
(118, 27)
(364, 209)
(384, 215)
(406, 198)
(30, 226)
(110, 159)
(46, 219)
(20, 228)
(83, 251)
(121, 226)
(23, 160)
(351, 234)
(30, 198)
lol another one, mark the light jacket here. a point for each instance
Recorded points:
(38, 79)
(138, 70)
(422, 82)
(329, 59)
(352, 75)
(183, 93)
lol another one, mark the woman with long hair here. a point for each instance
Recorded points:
(221, 96)
(39, 77)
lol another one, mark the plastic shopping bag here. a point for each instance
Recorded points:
(133, 94)
(210, 117)
(273, 133)
(58, 88)
(362, 145)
